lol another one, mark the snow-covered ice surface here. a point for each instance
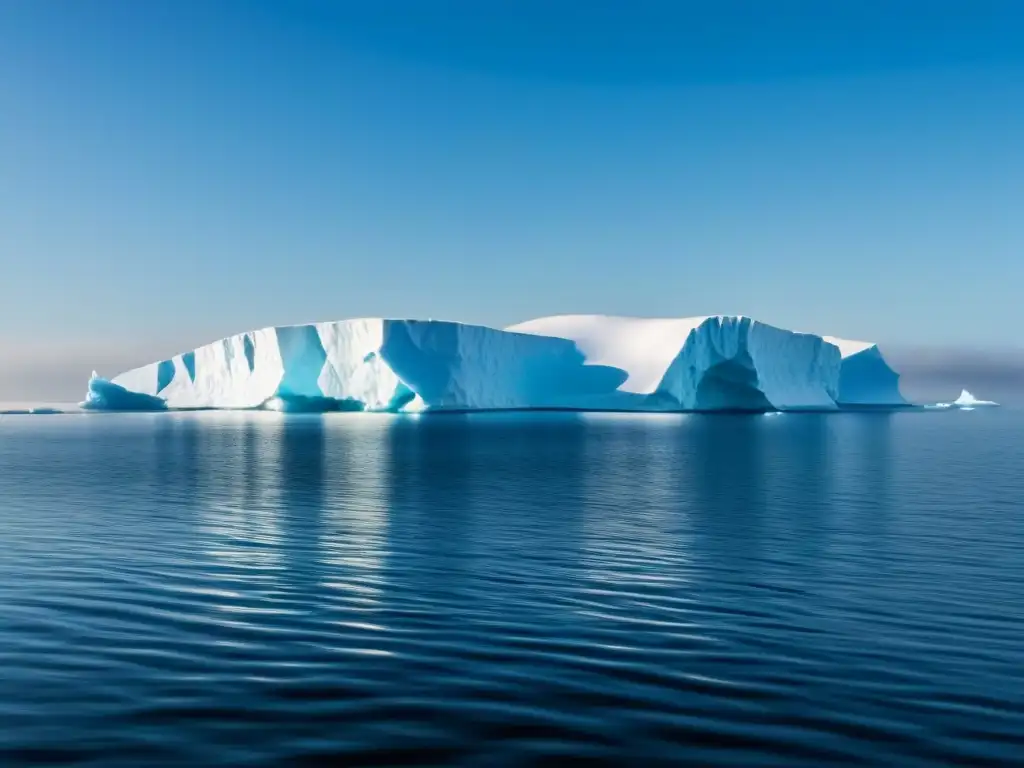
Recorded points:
(585, 362)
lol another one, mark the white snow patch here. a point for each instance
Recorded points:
(642, 347)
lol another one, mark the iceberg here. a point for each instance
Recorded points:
(570, 362)
(967, 400)
(104, 395)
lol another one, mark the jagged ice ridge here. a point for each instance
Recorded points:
(582, 362)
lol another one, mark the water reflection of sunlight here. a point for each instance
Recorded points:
(353, 536)
(240, 507)
(799, 482)
(862, 480)
(634, 531)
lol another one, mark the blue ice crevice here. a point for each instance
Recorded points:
(250, 352)
(164, 375)
(302, 358)
(189, 360)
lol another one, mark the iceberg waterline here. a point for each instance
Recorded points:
(578, 362)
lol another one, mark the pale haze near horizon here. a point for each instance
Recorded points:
(179, 172)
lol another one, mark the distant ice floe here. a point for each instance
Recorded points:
(22, 409)
(29, 411)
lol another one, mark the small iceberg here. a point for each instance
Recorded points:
(967, 400)
(105, 395)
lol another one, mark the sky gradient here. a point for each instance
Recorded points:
(172, 172)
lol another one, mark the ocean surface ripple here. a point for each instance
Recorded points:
(257, 589)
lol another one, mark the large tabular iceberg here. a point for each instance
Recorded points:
(585, 362)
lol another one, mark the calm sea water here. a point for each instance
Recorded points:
(249, 589)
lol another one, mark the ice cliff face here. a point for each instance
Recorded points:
(865, 378)
(702, 363)
(570, 362)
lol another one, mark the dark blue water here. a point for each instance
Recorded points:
(254, 589)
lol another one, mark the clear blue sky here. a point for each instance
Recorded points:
(171, 172)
